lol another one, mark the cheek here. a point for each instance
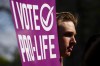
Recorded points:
(66, 41)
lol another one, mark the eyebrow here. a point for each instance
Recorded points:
(71, 32)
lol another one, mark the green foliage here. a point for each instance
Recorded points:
(4, 62)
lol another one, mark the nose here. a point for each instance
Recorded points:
(73, 40)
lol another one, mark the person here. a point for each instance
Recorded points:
(91, 53)
(66, 24)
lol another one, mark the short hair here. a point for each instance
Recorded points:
(66, 16)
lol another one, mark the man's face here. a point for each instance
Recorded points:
(66, 33)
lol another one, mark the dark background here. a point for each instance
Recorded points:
(88, 12)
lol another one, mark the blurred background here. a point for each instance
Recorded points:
(9, 55)
(88, 12)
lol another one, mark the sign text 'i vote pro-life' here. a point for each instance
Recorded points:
(36, 31)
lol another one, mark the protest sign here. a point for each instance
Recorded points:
(36, 32)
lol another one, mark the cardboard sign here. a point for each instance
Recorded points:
(36, 31)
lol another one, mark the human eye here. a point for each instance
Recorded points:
(68, 34)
